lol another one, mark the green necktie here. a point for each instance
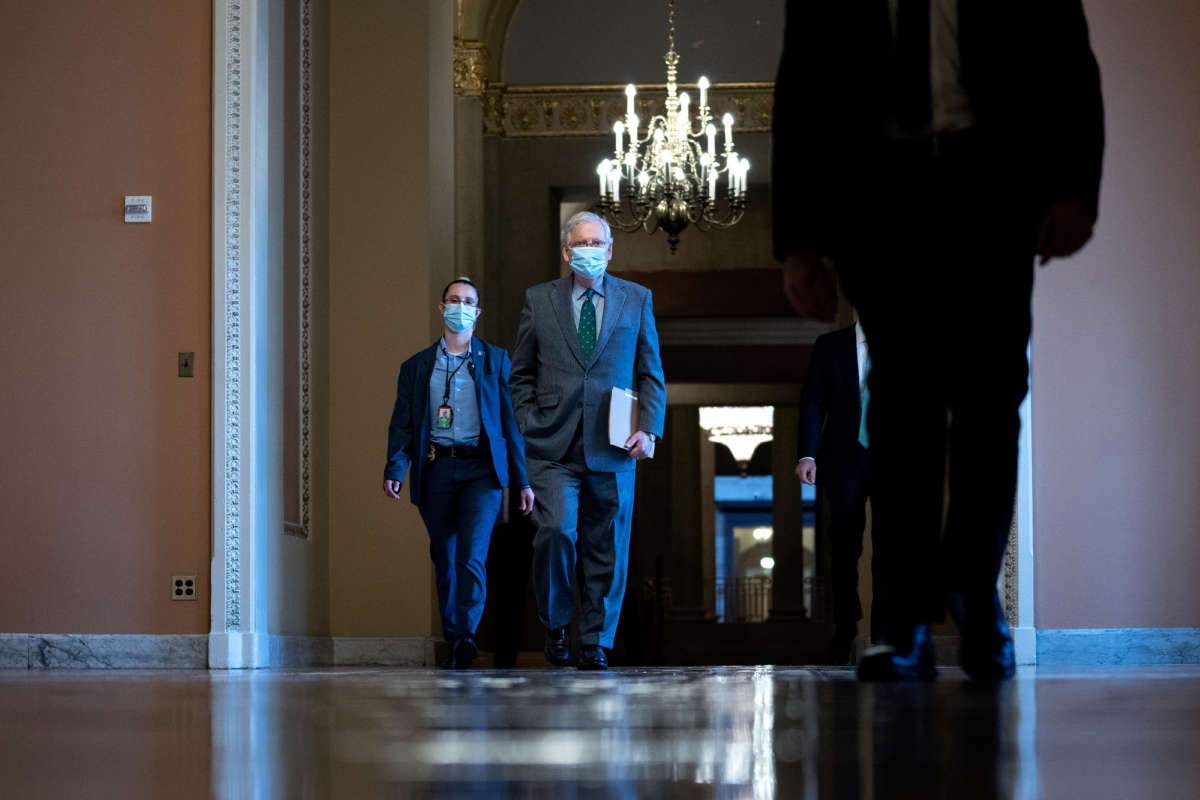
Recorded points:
(863, 439)
(587, 328)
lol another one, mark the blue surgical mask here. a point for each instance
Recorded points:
(589, 262)
(459, 317)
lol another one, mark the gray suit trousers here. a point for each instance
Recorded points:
(583, 519)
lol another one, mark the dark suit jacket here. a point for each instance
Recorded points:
(553, 389)
(1027, 68)
(408, 433)
(831, 407)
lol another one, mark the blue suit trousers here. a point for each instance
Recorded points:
(460, 500)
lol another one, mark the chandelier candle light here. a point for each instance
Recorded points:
(668, 178)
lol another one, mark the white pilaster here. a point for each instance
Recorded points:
(1025, 634)
(246, 349)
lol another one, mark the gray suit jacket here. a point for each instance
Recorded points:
(552, 387)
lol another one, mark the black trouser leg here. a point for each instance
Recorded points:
(848, 519)
(942, 280)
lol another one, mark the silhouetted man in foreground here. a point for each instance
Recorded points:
(930, 150)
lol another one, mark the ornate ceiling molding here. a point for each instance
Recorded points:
(563, 110)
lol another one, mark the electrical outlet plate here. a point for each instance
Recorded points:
(183, 587)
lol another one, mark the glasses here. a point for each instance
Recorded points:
(590, 243)
(466, 301)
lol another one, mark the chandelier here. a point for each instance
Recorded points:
(668, 176)
(740, 428)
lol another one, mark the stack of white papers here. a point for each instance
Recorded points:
(622, 416)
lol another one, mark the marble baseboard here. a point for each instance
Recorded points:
(1114, 646)
(415, 651)
(131, 651)
(14, 651)
(301, 651)
(102, 651)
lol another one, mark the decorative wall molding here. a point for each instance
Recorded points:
(229, 320)
(303, 529)
(470, 68)
(1011, 587)
(531, 111)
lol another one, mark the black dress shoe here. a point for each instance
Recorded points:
(886, 663)
(591, 656)
(987, 646)
(465, 651)
(558, 646)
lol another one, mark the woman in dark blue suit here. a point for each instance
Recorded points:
(453, 426)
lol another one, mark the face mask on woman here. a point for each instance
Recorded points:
(460, 317)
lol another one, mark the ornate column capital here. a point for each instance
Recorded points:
(470, 68)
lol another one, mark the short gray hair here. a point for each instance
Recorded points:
(582, 218)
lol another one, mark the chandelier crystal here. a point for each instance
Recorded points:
(669, 176)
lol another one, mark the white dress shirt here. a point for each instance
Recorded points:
(861, 339)
(951, 106)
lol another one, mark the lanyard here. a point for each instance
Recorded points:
(450, 375)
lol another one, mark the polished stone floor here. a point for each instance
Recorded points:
(754, 732)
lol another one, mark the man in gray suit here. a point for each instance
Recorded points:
(580, 336)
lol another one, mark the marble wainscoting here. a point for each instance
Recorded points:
(1115, 646)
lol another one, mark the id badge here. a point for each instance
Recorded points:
(445, 417)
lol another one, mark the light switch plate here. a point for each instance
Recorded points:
(187, 365)
(137, 207)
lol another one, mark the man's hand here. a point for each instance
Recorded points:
(392, 488)
(810, 285)
(640, 445)
(806, 471)
(526, 501)
(1065, 228)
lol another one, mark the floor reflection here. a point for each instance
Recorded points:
(752, 732)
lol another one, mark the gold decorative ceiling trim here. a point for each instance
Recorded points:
(470, 68)
(526, 111)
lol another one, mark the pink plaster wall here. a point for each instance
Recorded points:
(104, 474)
(1116, 349)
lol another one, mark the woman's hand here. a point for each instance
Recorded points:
(392, 488)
